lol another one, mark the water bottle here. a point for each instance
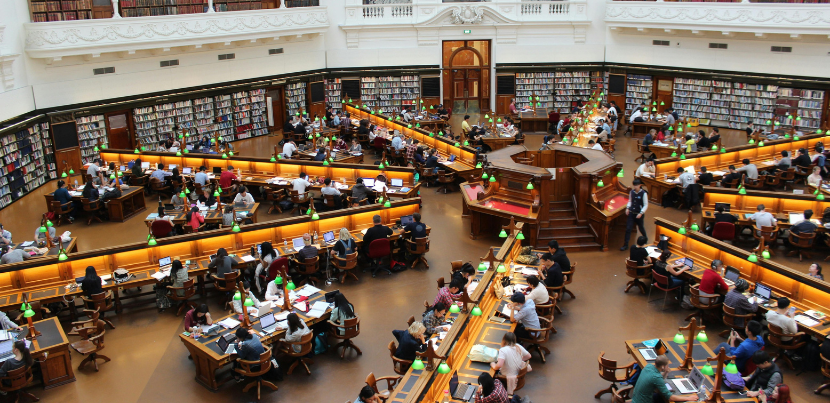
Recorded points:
(722, 271)
(285, 243)
(446, 396)
(315, 236)
(76, 183)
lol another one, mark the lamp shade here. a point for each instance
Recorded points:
(674, 154)
(484, 175)
(620, 174)
(237, 296)
(820, 196)
(520, 236)
(706, 370)
(278, 280)
(478, 165)
(682, 231)
(482, 266)
(731, 368)
(501, 269)
(529, 186)
(152, 241)
(315, 216)
(679, 339)
(71, 171)
(62, 256)
(454, 308)
(752, 258)
(325, 162)
(702, 337)
(49, 223)
(215, 193)
(723, 149)
(42, 228)
(136, 151)
(492, 179)
(695, 227)
(387, 203)
(248, 302)
(443, 368)
(742, 191)
(290, 286)
(714, 147)
(178, 153)
(503, 234)
(224, 155)
(761, 143)
(765, 254)
(64, 175)
(95, 149)
(235, 227)
(29, 312)
(417, 364)
(600, 184)
(182, 195)
(476, 311)
(683, 156)
(273, 159)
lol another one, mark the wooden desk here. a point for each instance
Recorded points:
(466, 331)
(640, 129)
(211, 216)
(130, 203)
(71, 246)
(661, 151)
(45, 279)
(208, 359)
(676, 354)
(804, 292)
(339, 156)
(56, 370)
(535, 123)
(779, 204)
(497, 142)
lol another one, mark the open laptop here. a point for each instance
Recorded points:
(762, 293)
(226, 343)
(369, 182)
(407, 219)
(731, 276)
(461, 391)
(726, 206)
(298, 243)
(168, 206)
(328, 237)
(650, 354)
(187, 171)
(217, 170)
(452, 158)
(145, 165)
(6, 350)
(172, 166)
(397, 182)
(122, 168)
(690, 384)
(268, 322)
(686, 261)
(165, 263)
(189, 147)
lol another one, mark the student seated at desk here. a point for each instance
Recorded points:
(703, 142)
(766, 378)
(763, 218)
(538, 293)
(268, 255)
(194, 219)
(243, 196)
(783, 164)
(90, 192)
(6, 236)
(330, 190)
(639, 254)
(321, 154)
(21, 358)
(815, 178)
(512, 358)
(195, 318)
(296, 330)
(804, 226)
(301, 184)
(705, 178)
(490, 390)
(721, 216)
(672, 271)
(432, 161)
(161, 175)
(237, 304)
(815, 271)
(377, 231)
(559, 255)
(42, 235)
(360, 192)
(288, 148)
(594, 146)
(344, 246)
(342, 311)
(736, 299)
(227, 215)
(367, 395)
(646, 168)
(62, 195)
(782, 315)
(434, 319)
(711, 283)
(308, 251)
(447, 294)
(749, 169)
(223, 264)
(410, 341)
(652, 381)
(227, 178)
(466, 275)
(551, 271)
(741, 348)
(523, 313)
(13, 255)
(355, 147)
(249, 348)
(731, 177)
(684, 179)
(690, 144)
(91, 284)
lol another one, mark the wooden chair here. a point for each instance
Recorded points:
(350, 329)
(329, 202)
(773, 182)
(309, 268)
(354, 202)
(346, 266)
(299, 201)
(641, 149)
(770, 235)
(622, 395)
(608, 371)
(139, 181)
(425, 174)
(102, 302)
(825, 370)
(556, 294)
(287, 348)
(418, 248)
(410, 321)
(391, 382)
(230, 286)
(398, 365)
(188, 229)
(700, 306)
(274, 197)
(189, 290)
(92, 209)
(801, 243)
(159, 187)
(446, 180)
(661, 282)
(456, 265)
(631, 269)
(612, 147)
(731, 319)
(92, 342)
(568, 277)
(546, 311)
(787, 178)
(197, 187)
(15, 381)
(801, 174)
(733, 184)
(440, 282)
(756, 184)
(538, 338)
(256, 369)
(61, 211)
(520, 379)
(775, 336)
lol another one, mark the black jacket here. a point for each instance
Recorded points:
(407, 345)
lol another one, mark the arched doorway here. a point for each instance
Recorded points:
(466, 75)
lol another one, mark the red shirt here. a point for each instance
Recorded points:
(189, 320)
(711, 279)
(196, 220)
(226, 179)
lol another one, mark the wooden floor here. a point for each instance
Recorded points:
(150, 364)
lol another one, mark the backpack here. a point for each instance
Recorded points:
(811, 353)
(636, 371)
(733, 381)
(321, 344)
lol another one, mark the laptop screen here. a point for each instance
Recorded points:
(217, 170)
(187, 171)
(369, 182)
(172, 166)
(407, 219)
(732, 274)
(696, 378)
(397, 182)
(726, 206)
(453, 383)
(145, 165)
(689, 262)
(298, 243)
(165, 261)
(123, 168)
(6, 346)
(267, 320)
(223, 344)
(763, 290)
(328, 236)
(452, 158)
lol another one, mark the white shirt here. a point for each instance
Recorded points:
(379, 186)
(644, 169)
(248, 199)
(330, 190)
(539, 295)
(273, 291)
(786, 323)
(638, 113)
(288, 149)
(93, 170)
(597, 146)
(300, 185)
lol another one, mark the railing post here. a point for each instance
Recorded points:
(210, 7)
(115, 13)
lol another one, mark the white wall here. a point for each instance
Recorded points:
(18, 99)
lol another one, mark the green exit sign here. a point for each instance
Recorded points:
(468, 31)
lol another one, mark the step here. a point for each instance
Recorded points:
(565, 231)
(556, 222)
(569, 212)
(571, 247)
(560, 204)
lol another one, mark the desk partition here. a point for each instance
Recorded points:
(804, 291)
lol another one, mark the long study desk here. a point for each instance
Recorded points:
(48, 279)
(779, 204)
(246, 211)
(535, 122)
(70, 246)
(208, 358)
(51, 347)
(804, 292)
(130, 203)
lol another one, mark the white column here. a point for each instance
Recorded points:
(210, 7)
(115, 13)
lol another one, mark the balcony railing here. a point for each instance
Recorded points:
(414, 13)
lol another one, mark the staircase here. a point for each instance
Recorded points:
(563, 227)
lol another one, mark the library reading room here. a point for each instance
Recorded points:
(388, 201)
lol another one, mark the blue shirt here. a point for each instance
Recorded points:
(250, 350)
(62, 195)
(201, 178)
(158, 174)
(397, 143)
(527, 315)
(336, 120)
(745, 350)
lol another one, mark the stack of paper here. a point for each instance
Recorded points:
(301, 306)
(806, 320)
(248, 258)
(507, 310)
(228, 323)
(529, 272)
(307, 291)
(281, 316)
(318, 309)
(160, 275)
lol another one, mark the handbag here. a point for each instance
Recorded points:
(733, 381)
(121, 275)
(482, 353)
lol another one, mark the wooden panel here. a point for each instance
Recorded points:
(503, 103)
(57, 369)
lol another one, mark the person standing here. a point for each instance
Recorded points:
(635, 210)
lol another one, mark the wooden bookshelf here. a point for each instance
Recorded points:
(24, 167)
(230, 5)
(145, 127)
(63, 10)
(249, 114)
(203, 119)
(334, 91)
(390, 93)
(638, 89)
(540, 84)
(48, 151)
(295, 97)
(145, 8)
(91, 130)
(794, 103)
(224, 117)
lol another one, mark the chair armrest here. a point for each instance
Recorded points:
(391, 381)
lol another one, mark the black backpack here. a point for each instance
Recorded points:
(811, 354)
